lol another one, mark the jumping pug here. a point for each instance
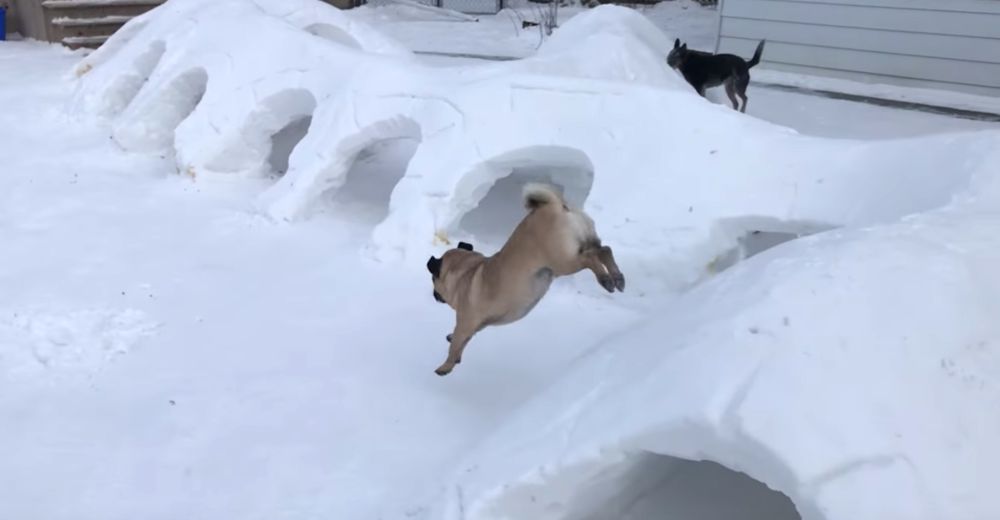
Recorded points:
(552, 240)
(704, 70)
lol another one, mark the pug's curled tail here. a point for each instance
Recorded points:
(538, 195)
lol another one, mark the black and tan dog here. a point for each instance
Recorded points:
(552, 240)
(705, 70)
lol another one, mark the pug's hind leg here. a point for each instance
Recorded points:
(607, 258)
(589, 259)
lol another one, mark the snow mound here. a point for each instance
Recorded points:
(596, 111)
(39, 342)
(855, 371)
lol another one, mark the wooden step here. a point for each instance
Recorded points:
(97, 8)
(65, 27)
(89, 23)
(91, 42)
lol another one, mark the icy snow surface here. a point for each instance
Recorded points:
(855, 371)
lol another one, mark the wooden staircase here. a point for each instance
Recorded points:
(89, 23)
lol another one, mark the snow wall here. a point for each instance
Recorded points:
(597, 103)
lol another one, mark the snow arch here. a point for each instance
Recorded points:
(750, 236)
(661, 487)
(486, 201)
(328, 166)
(124, 88)
(267, 137)
(148, 124)
(651, 486)
(334, 34)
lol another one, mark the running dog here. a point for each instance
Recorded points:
(704, 70)
(552, 240)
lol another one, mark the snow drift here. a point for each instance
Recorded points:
(596, 111)
(852, 371)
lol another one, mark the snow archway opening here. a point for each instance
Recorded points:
(748, 237)
(265, 140)
(182, 96)
(284, 141)
(120, 94)
(662, 487)
(279, 125)
(334, 34)
(364, 196)
(151, 126)
(497, 205)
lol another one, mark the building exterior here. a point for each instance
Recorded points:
(939, 44)
(75, 23)
(84, 23)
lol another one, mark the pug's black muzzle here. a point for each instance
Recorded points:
(438, 297)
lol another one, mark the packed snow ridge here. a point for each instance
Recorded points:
(881, 413)
(214, 82)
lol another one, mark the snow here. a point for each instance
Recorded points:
(215, 304)
(206, 362)
(820, 368)
(468, 141)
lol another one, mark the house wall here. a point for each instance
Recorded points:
(941, 44)
(28, 19)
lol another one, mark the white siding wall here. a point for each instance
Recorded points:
(947, 44)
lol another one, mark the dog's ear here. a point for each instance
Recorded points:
(684, 47)
(677, 43)
(465, 245)
(434, 266)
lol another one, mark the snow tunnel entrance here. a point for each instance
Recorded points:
(499, 211)
(755, 235)
(660, 487)
(364, 197)
(334, 34)
(127, 86)
(284, 141)
(151, 126)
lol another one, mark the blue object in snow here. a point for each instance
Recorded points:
(3, 23)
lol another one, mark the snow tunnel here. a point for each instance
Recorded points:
(127, 86)
(743, 238)
(284, 141)
(644, 486)
(496, 199)
(334, 34)
(661, 487)
(378, 158)
(265, 140)
(279, 125)
(151, 125)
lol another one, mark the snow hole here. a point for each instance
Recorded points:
(364, 196)
(184, 94)
(333, 34)
(661, 487)
(754, 236)
(284, 141)
(127, 86)
(497, 213)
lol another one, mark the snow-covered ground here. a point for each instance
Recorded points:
(169, 351)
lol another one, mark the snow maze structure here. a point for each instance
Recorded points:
(756, 380)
